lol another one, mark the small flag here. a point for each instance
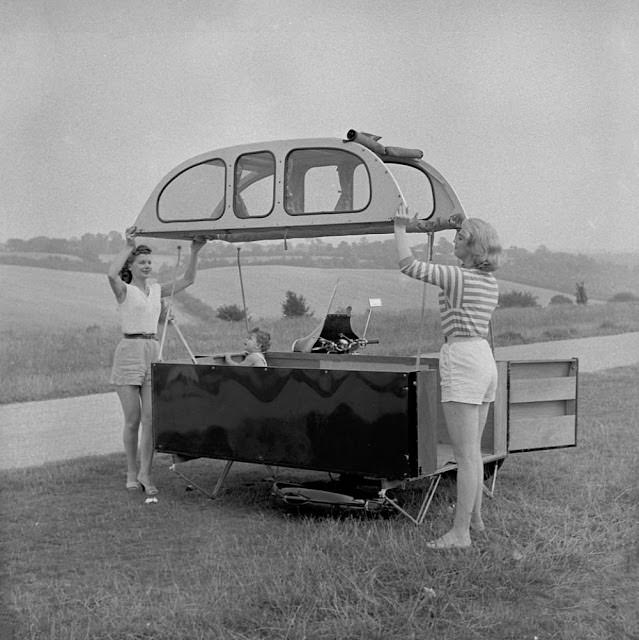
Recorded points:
(374, 302)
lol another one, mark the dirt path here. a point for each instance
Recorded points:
(34, 433)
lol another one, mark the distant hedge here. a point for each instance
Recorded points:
(624, 296)
(517, 299)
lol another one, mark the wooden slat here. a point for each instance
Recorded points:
(539, 410)
(543, 389)
(500, 412)
(541, 369)
(537, 433)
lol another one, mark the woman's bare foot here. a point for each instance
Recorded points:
(132, 481)
(477, 524)
(450, 540)
(147, 486)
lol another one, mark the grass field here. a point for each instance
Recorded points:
(45, 299)
(38, 363)
(83, 559)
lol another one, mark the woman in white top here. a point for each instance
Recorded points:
(139, 304)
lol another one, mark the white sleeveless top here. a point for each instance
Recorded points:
(140, 313)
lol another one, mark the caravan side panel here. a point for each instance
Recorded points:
(352, 422)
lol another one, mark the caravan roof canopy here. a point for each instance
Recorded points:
(297, 188)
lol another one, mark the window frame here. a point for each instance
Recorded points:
(212, 216)
(237, 193)
(360, 162)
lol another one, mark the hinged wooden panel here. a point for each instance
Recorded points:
(542, 404)
(428, 407)
(497, 424)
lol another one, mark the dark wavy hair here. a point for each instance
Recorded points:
(125, 272)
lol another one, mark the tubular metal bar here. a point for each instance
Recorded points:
(239, 269)
(429, 258)
(368, 318)
(489, 490)
(184, 342)
(424, 506)
(169, 307)
(218, 484)
(272, 472)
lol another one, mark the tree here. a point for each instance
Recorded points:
(230, 312)
(15, 244)
(294, 306)
(115, 242)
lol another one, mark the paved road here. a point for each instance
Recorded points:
(33, 433)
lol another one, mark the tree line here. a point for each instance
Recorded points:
(560, 271)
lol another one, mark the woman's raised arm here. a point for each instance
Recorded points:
(189, 275)
(118, 287)
(401, 219)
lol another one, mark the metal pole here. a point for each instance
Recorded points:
(184, 342)
(170, 305)
(368, 318)
(429, 257)
(239, 268)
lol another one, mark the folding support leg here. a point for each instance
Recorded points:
(272, 472)
(218, 484)
(425, 503)
(489, 490)
(184, 342)
(428, 498)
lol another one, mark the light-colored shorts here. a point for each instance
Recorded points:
(132, 361)
(468, 371)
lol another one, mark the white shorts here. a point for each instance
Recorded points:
(467, 371)
(132, 361)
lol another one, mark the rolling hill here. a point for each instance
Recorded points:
(47, 298)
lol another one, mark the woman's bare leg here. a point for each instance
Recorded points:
(129, 396)
(146, 441)
(476, 521)
(462, 422)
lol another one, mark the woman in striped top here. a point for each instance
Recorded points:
(467, 298)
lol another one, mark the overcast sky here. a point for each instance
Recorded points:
(530, 109)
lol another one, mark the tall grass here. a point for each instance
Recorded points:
(36, 365)
(84, 559)
(555, 322)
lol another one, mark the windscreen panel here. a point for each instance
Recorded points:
(197, 193)
(325, 181)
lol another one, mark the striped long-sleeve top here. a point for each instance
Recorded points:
(467, 298)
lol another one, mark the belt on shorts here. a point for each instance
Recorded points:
(143, 336)
(461, 338)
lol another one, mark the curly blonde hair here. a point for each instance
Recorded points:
(483, 244)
